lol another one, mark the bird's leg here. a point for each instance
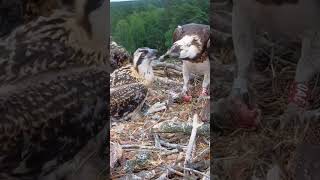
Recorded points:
(186, 78)
(205, 84)
(299, 95)
(243, 32)
(243, 40)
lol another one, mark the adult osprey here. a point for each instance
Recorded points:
(129, 85)
(190, 43)
(53, 88)
(280, 18)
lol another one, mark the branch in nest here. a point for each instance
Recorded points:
(207, 173)
(167, 73)
(201, 155)
(179, 127)
(196, 171)
(166, 65)
(166, 80)
(195, 125)
(171, 145)
(136, 146)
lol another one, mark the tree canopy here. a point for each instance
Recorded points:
(150, 23)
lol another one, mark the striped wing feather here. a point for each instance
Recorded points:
(127, 99)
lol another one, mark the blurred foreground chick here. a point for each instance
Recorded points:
(53, 89)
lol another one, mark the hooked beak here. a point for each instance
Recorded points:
(163, 57)
(153, 54)
(174, 52)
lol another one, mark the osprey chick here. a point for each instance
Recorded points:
(129, 85)
(53, 88)
(16, 12)
(118, 56)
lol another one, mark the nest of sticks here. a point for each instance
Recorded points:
(170, 143)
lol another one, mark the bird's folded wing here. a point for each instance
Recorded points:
(122, 77)
(127, 99)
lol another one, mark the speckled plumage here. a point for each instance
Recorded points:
(128, 90)
(53, 93)
(118, 56)
(45, 44)
(16, 12)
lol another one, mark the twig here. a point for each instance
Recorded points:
(175, 171)
(170, 145)
(208, 173)
(135, 146)
(169, 152)
(170, 126)
(201, 154)
(195, 171)
(195, 125)
(163, 176)
(166, 65)
(157, 141)
(166, 80)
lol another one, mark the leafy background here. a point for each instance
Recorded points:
(150, 23)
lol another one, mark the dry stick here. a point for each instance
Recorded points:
(157, 143)
(171, 126)
(169, 152)
(175, 171)
(163, 176)
(168, 72)
(191, 143)
(167, 65)
(135, 146)
(154, 124)
(271, 62)
(193, 153)
(171, 145)
(195, 171)
(167, 80)
(201, 154)
(207, 173)
(272, 56)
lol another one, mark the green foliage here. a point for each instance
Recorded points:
(150, 23)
